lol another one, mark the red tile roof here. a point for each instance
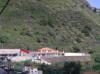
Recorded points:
(90, 73)
(48, 50)
(25, 51)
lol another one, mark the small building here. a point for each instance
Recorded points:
(90, 72)
(13, 52)
(24, 55)
(47, 52)
(24, 52)
(96, 10)
(15, 55)
(31, 70)
(9, 52)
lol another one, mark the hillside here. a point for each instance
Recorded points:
(61, 24)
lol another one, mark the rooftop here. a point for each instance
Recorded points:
(90, 73)
(67, 58)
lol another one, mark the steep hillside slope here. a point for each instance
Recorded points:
(61, 24)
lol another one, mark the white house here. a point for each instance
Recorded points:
(10, 52)
(31, 70)
(47, 52)
(15, 55)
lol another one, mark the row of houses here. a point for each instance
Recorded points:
(43, 55)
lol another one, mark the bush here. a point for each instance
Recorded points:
(96, 67)
(50, 69)
(72, 68)
(86, 30)
(4, 39)
(27, 33)
(75, 49)
(65, 68)
(78, 40)
(38, 40)
(46, 22)
(97, 57)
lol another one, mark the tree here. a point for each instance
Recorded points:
(86, 30)
(72, 68)
(47, 69)
(96, 66)
(4, 39)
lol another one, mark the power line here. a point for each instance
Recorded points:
(4, 7)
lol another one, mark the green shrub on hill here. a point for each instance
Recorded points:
(4, 39)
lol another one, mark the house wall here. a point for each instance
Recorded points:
(76, 54)
(10, 52)
(47, 52)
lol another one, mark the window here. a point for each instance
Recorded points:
(43, 54)
(14, 54)
(3, 54)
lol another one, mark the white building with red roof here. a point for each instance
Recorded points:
(13, 52)
(24, 52)
(47, 52)
(16, 55)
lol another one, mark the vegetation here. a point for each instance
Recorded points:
(68, 25)
(68, 68)
(96, 65)
(43, 23)
(64, 68)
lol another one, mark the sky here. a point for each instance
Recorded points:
(94, 3)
